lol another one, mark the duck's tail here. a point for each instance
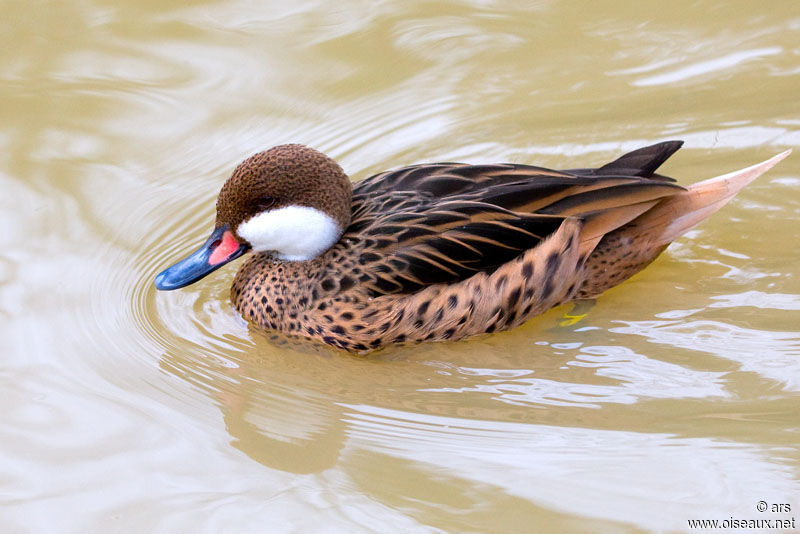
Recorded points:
(676, 215)
(629, 248)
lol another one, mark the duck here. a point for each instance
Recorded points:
(439, 251)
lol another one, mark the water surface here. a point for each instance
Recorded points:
(128, 410)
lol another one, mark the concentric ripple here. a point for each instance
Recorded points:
(674, 397)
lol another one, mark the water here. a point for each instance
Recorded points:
(128, 410)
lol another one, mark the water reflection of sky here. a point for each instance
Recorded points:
(675, 398)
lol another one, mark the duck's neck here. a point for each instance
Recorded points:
(273, 293)
(291, 233)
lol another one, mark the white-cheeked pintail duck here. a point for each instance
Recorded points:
(438, 251)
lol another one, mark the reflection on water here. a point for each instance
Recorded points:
(675, 398)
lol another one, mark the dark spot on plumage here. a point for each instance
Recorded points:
(370, 314)
(430, 336)
(279, 301)
(293, 315)
(462, 320)
(302, 301)
(547, 289)
(449, 333)
(452, 301)
(322, 306)
(358, 327)
(500, 283)
(527, 269)
(346, 316)
(346, 283)
(368, 257)
(418, 323)
(553, 262)
(511, 316)
(385, 326)
(514, 296)
(400, 338)
(491, 328)
(423, 308)
(375, 342)
(327, 284)
(310, 330)
(438, 316)
(338, 329)
(360, 346)
(264, 300)
(329, 340)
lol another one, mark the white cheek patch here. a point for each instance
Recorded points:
(296, 233)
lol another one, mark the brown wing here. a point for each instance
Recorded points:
(429, 224)
(429, 242)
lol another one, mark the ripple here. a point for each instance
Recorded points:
(758, 299)
(773, 355)
(561, 468)
(634, 377)
(707, 67)
(167, 412)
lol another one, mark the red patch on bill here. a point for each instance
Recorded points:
(227, 246)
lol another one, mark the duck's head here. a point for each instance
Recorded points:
(290, 200)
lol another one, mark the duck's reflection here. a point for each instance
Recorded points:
(273, 399)
(300, 435)
(289, 404)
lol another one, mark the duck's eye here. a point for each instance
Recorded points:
(265, 203)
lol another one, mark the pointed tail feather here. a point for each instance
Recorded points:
(641, 162)
(678, 214)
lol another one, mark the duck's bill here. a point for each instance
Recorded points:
(220, 248)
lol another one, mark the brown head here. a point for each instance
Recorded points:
(290, 200)
(285, 175)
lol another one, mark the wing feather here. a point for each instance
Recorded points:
(444, 222)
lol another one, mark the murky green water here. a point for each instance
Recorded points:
(127, 410)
